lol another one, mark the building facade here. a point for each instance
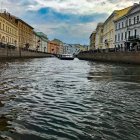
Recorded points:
(109, 27)
(25, 34)
(127, 33)
(92, 40)
(120, 32)
(40, 42)
(8, 29)
(53, 47)
(133, 29)
(99, 36)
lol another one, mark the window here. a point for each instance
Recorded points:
(129, 22)
(135, 33)
(118, 37)
(115, 38)
(126, 23)
(138, 19)
(134, 20)
(119, 25)
(129, 33)
(3, 26)
(125, 35)
(122, 25)
(122, 36)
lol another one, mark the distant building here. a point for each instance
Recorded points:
(92, 40)
(80, 48)
(72, 48)
(8, 29)
(99, 36)
(40, 41)
(66, 49)
(53, 47)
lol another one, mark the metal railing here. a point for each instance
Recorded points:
(7, 45)
(134, 37)
(127, 48)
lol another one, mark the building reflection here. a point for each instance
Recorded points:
(112, 72)
(4, 123)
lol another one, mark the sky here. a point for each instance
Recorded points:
(71, 21)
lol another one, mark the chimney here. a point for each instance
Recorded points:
(135, 4)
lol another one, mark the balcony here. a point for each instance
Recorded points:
(134, 38)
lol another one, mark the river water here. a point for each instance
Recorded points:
(51, 99)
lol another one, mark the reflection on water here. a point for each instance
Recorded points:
(3, 123)
(51, 99)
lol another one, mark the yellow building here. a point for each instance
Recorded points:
(99, 36)
(92, 40)
(25, 34)
(8, 29)
(109, 27)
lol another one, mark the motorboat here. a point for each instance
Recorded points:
(66, 57)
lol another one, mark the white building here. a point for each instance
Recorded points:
(121, 32)
(40, 42)
(127, 33)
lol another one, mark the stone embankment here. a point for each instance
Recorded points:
(6, 53)
(132, 57)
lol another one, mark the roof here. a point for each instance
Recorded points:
(99, 25)
(123, 12)
(57, 41)
(24, 22)
(8, 17)
(42, 36)
(127, 12)
(93, 33)
(54, 43)
(119, 13)
(136, 5)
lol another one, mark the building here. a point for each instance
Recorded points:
(40, 42)
(53, 47)
(133, 27)
(92, 40)
(120, 32)
(127, 33)
(8, 29)
(66, 48)
(25, 34)
(109, 27)
(80, 48)
(61, 48)
(99, 36)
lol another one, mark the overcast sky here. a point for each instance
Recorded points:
(71, 21)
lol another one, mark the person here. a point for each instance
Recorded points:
(37, 47)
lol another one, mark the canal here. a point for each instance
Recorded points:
(51, 99)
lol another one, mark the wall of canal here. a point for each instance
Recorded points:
(132, 57)
(6, 53)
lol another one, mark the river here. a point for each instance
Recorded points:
(52, 99)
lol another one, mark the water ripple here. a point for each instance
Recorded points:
(49, 99)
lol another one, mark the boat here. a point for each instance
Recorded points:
(66, 57)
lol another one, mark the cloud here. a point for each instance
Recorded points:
(70, 20)
(70, 28)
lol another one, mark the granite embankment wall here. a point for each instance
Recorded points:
(119, 57)
(6, 53)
